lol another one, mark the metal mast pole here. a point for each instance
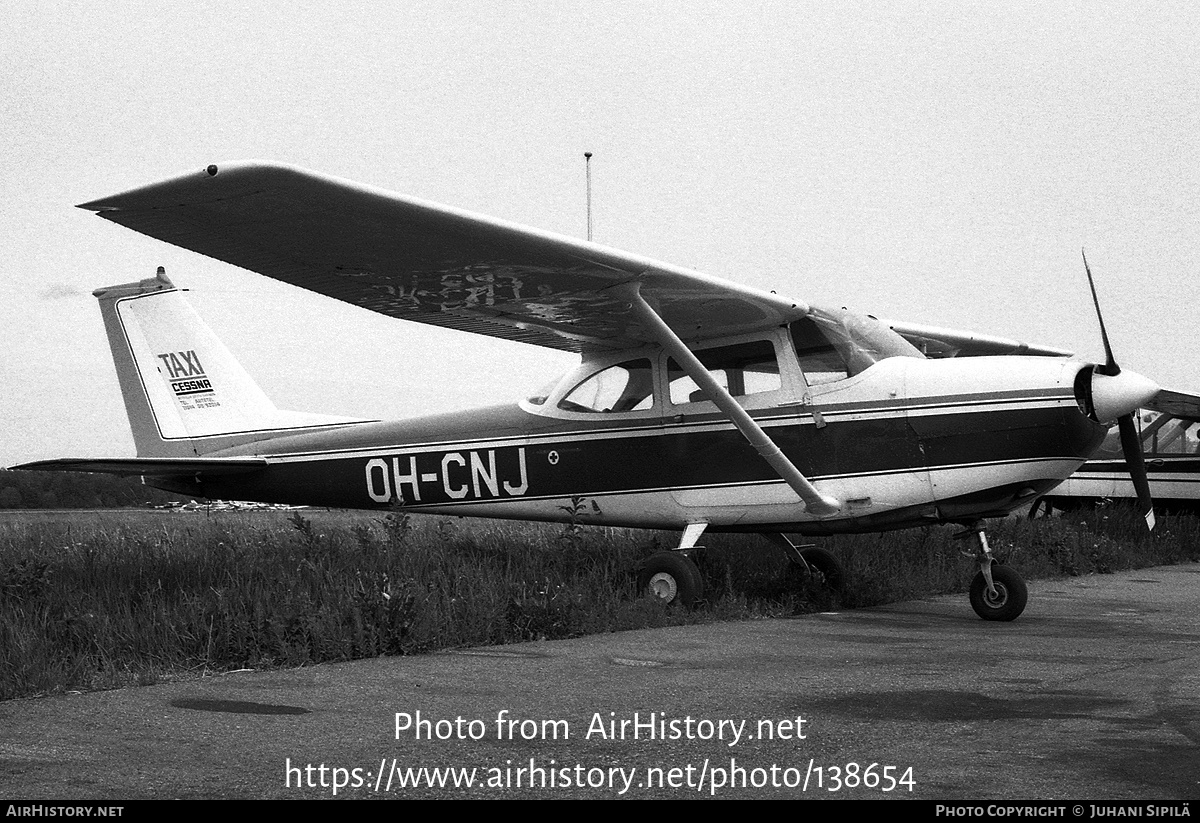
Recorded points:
(587, 160)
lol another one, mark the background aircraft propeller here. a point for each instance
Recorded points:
(1131, 444)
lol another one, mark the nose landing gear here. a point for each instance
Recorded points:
(997, 592)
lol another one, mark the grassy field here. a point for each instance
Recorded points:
(103, 599)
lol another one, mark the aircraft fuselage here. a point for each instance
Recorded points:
(906, 442)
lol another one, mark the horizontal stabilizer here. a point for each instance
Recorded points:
(150, 466)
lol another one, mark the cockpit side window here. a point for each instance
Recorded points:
(819, 360)
(1173, 437)
(625, 387)
(742, 369)
(1161, 435)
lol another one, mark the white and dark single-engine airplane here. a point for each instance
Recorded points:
(1170, 442)
(698, 404)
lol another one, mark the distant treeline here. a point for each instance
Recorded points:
(75, 490)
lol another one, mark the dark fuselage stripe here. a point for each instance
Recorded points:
(574, 465)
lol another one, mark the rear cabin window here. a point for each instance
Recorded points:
(742, 369)
(625, 387)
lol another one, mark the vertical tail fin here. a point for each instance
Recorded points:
(185, 393)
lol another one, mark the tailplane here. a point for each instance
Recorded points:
(185, 393)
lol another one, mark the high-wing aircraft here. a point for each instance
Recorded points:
(698, 404)
(1170, 442)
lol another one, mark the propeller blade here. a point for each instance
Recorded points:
(1131, 445)
(1110, 366)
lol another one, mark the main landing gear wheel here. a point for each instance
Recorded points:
(671, 577)
(1008, 599)
(827, 566)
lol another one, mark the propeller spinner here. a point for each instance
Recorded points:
(1118, 395)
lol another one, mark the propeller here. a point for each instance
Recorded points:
(1131, 444)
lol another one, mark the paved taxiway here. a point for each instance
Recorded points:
(1094, 693)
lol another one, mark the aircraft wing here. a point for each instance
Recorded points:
(937, 342)
(1176, 404)
(152, 466)
(420, 261)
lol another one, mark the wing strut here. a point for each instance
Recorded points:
(815, 503)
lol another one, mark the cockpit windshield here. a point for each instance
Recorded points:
(833, 344)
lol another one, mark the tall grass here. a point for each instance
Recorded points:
(101, 604)
(896, 566)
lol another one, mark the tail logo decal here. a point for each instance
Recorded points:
(188, 381)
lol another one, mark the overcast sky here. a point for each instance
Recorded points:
(936, 162)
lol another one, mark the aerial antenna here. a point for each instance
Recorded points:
(587, 162)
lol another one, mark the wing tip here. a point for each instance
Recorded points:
(144, 195)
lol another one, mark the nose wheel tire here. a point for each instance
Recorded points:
(672, 578)
(1006, 602)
